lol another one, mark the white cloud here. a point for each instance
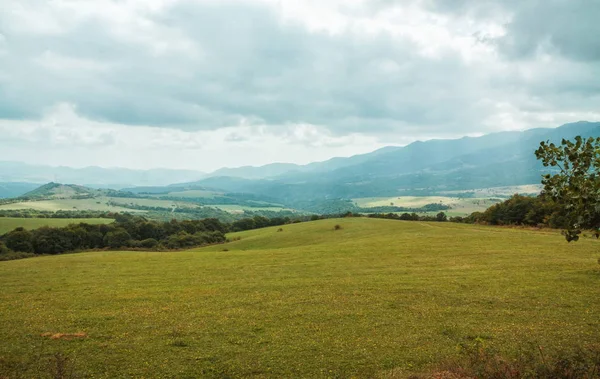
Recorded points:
(249, 80)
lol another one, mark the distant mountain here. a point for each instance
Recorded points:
(94, 176)
(494, 160)
(251, 172)
(275, 170)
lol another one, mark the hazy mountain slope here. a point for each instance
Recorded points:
(93, 176)
(251, 172)
(499, 159)
(8, 190)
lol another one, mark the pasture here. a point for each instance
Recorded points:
(9, 223)
(307, 301)
(95, 204)
(459, 206)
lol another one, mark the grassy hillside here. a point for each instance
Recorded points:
(308, 301)
(101, 204)
(8, 223)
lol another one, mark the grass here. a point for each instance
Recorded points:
(9, 223)
(376, 296)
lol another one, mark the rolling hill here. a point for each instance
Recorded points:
(375, 298)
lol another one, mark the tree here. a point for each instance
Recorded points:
(19, 240)
(441, 217)
(117, 239)
(576, 184)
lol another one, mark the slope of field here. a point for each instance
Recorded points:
(9, 223)
(95, 204)
(308, 301)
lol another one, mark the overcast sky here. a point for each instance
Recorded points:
(201, 84)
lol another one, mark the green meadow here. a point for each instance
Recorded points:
(375, 297)
(9, 223)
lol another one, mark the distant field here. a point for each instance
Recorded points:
(527, 189)
(375, 296)
(8, 223)
(241, 208)
(193, 194)
(459, 207)
(153, 203)
(97, 204)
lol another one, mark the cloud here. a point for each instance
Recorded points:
(302, 72)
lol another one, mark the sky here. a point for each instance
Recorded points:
(204, 84)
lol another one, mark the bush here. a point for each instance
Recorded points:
(337, 227)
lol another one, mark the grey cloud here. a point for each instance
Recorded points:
(222, 63)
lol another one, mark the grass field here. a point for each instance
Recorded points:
(232, 208)
(9, 223)
(96, 204)
(459, 206)
(309, 301)
(193, 194)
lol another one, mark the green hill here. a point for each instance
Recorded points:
(61, 191)
(307, 301)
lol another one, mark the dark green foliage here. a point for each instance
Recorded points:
(148, 243)
(576, 185)
(258, 222)
(3, 248)
(32, 213)
(19, 240)
(127, 232)
(441, 217)
(117, 239)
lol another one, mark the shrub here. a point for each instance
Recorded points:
(337, 227)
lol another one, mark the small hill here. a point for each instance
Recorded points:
(61, 191)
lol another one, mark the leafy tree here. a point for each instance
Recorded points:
(19, 240)
(441, 217)
(117, 239)
(3, 248)
(576, 185)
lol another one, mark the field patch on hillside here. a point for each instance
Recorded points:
(10, 223)
(458, 206)
(302, 300)
(101, 204)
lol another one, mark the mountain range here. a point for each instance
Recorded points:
(429, 167)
